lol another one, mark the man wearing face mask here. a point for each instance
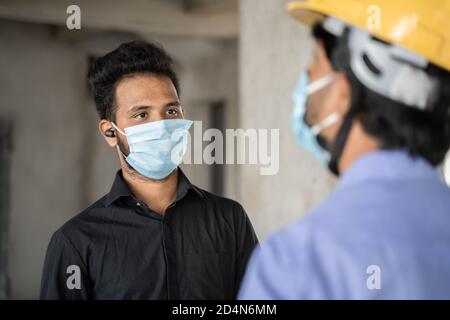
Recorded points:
(154, 235)
(373, 105)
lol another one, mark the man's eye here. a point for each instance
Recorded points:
(172, 112)
(141, 115)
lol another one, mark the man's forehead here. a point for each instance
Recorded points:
(145, 88)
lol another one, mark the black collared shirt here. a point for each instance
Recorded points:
(118, 248)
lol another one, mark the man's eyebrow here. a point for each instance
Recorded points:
(139, 107)
(175, 103)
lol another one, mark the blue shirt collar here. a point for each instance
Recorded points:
(387, 165)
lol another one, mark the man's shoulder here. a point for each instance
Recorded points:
(305, 236)
(293, 236)
(81, 223)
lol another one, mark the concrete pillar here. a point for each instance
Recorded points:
(273, 50)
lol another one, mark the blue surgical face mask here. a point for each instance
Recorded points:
(157, 148)
(306, 135)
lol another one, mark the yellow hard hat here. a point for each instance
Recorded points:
(420, 26)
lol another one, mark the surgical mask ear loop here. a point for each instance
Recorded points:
(124, 134)
(320, 83)
(314, 87)
(325, 123)
(120, 131)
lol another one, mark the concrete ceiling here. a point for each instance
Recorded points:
(203, 18)
(192, 5)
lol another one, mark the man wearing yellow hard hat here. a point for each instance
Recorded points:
(373, 105)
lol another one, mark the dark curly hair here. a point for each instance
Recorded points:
(129, 58)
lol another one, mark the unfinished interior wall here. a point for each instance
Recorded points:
(273, 50)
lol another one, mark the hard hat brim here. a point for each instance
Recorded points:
(415, 25)
(307, 13)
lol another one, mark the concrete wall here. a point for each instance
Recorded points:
(41, 81)
(273, 49)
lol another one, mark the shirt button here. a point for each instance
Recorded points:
(138, 204)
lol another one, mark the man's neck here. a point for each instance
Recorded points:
(156, 194)
(358, 144)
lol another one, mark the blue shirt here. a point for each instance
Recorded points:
(383, 234)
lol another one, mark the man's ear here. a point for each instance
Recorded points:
(104, 126)
(344, 97)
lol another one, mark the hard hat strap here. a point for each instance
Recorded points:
(342, 135)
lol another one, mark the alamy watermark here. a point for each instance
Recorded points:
(74, 278)
(234, 146)
(373, 281)
(73, 21)
(373, 21)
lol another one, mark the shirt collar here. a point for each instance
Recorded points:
(388, 165)
(184, 185)
(120, 188)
